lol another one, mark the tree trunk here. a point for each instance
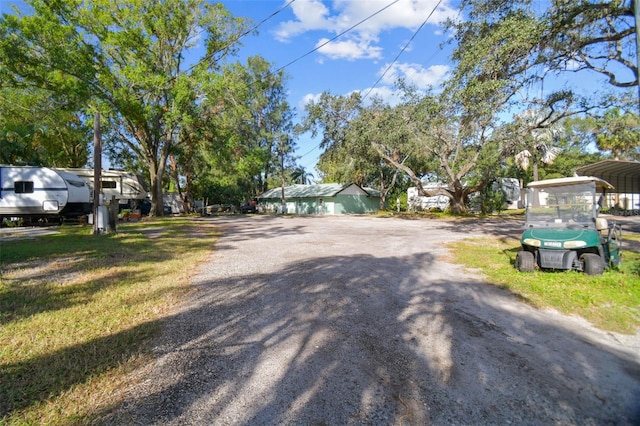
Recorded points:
(155, 176)
(154, 193)
(176, 177)
(189, 193)
(383, 190)
(457, 202)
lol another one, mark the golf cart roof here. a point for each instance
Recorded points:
(600, 183)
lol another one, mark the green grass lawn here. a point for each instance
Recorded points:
(77, 310)
(610, 301)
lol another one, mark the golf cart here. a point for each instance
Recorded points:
(563, 230)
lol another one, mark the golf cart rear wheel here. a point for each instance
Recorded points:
(525, 261)
(592, 264)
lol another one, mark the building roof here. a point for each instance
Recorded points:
(372, 192)
(623, 175)
(313, 191)
(600, 183)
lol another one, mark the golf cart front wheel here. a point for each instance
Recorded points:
(592, 264)
(525, 261)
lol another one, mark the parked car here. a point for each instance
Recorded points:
(250, 207)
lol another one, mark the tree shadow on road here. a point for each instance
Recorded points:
(248, 229)
(504, 229)
(358, 339)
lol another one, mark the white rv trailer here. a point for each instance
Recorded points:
(509, 186)
(127, 187)
(417, 202)
(41, 193)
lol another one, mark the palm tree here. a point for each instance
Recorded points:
(301, 176)
(543, 137)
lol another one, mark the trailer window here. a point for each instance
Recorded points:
(23, 187)
(108, 184)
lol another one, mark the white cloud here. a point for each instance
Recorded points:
(404, 14)
(421, 77)
(309, 97)
(314, 15)
(415, 74)
(387, 94)
(311, 15)
(571, 65)
(349, 49)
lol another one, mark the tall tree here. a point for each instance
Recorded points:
(596, 35)
(563, 36)
(36, 128)
(330, 117)
(346, 157)
(460, 150)
(383, 136)
(619, 133)
(253, 119)
(462, 127)
(432, 135)
(128, 57)
(349, 155)
(349, 131)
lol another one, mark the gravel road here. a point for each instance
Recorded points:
(361, 320)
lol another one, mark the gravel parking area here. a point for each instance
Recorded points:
(361, 320)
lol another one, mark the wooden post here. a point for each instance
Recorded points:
(97, 170)
(283, 201)
(113, 214)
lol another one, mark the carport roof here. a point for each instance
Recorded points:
(623, 175)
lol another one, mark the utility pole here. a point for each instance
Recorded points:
(283, 201)
(97, 171)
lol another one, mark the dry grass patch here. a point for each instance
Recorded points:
(77, 312)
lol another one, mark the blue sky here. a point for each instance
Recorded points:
(356, 60)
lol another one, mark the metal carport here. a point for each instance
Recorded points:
(623, 175)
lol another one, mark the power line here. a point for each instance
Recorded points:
(388, 67)
(312, 149)
(402, 50)
(329, 41)
(247, 32)
(339, 35)
(316, 48)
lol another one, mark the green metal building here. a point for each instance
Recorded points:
(328, 198)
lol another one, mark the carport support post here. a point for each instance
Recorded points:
(97, 170)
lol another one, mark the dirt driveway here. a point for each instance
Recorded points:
(358, 320)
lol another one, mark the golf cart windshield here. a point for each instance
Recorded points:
(562, 206)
